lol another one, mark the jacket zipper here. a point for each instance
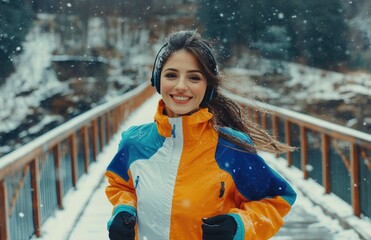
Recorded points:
(136, 182)
(222, 189)
(173, 135)
(173, 131)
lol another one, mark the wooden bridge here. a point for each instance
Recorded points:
(37, 179)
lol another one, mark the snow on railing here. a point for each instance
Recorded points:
(35, 177)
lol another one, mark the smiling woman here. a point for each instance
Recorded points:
(194, 172)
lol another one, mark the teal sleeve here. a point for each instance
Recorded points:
(121, 208)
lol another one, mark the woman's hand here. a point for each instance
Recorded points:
(122, 227)
(220, 227)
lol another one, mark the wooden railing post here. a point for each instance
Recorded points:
(304, 150)
(35, 180)
(326, 163)
(85, 137)
(108, 122)
(4, 212)
(95, 138)
(354, 161)
(122, 112)
(101, 133)
(288, 141)
(264, 123)
(275, 128)
(73, 148)
(115, 121)
(58, 174)
(255, 115)
(249, 112)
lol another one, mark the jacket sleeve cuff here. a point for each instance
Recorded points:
(240, 232)
(121, 208)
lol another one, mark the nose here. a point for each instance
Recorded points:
(181, 84)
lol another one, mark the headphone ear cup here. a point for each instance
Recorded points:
(152, 81)
(157, 81)
(209, 94)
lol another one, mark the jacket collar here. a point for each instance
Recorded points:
(192, 125)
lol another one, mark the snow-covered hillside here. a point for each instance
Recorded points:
(27, 95)
(344, 99)
(31, 83)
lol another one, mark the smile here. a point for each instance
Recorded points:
(180, 98)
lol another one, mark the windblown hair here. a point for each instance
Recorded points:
(226, 112)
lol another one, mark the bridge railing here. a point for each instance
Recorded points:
(336, 157)
(35, 178)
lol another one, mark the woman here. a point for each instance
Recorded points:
(194, 172)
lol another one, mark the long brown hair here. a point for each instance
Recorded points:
(226, 112)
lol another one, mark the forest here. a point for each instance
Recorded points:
(316, 33)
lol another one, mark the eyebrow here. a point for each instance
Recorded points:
(190, 71)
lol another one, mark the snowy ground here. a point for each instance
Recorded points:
(87, 210)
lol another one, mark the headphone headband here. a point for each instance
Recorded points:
(155, 78)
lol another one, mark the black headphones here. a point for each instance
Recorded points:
(157, 65)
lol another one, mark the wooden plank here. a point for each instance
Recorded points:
(101, 133)
(114, 121)
(95, 138)
(275, 129)
(58, 174)
(288, 141)
(108, 122)
(74, 165)
(326, 162)
(264, 122)
(355, 179)
(304, 150)
(249, 111)
(85, 137)
(4, 212)
(255, 116)
(122, 114)
(35, 180)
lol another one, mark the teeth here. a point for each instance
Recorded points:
(180, 98)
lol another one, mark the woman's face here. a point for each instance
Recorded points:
(183, 84)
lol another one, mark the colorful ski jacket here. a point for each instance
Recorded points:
(175, 171)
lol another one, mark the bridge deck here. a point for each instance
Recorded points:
(302, 223)
(87, 209)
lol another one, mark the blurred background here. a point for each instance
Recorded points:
(61, 58)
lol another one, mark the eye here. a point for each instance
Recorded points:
(170, 75)
(195, 78)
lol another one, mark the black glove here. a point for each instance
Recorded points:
(122, 227)
(220, 227)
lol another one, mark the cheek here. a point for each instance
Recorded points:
(165, 86)
(200, 90)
